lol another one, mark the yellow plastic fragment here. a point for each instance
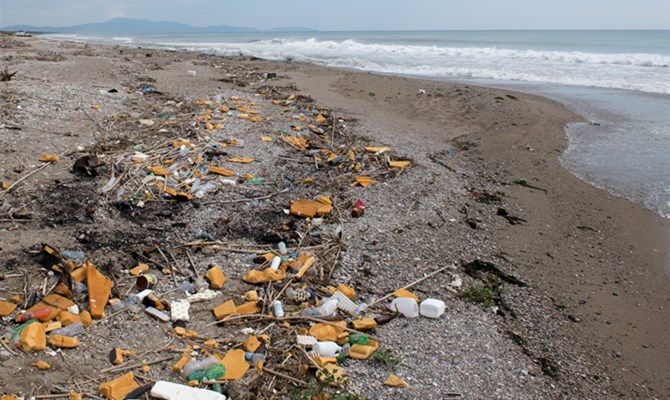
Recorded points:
(399, 164)
(223, 310)
(46, 157)
(323, 361)
(33, 338)
(185, 358)
(250, 307)
(364, 324)
(159, 170)
(42, 365)
(267, 275)
(345, 290)
(327, 332)
(297, 141)
(74, 396)
(363, 351)
(394, 381)
(251, 295)
(215, 277)
(241, 160)
(364, 181)
(4, 185)
(95, 106)
(321, 119)
(266, 138)
(65, 342)
(380, 150)
(118, 388)
(251, 344)
(307, 181)
(333, 371)
(235, 365)
(99, 287)
(139, 269)
(310, 208)
(305, 266)
(404, 293)
(220, 171)
(6, 308)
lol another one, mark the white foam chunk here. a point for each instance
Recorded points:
(432, 308)
(174, 391)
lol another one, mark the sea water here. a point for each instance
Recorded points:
(618, 80)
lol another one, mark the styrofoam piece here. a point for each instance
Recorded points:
(344, 303)
(432, 308)
(406, 306)
(179, 310)
(203, 296)
(306, 340)
(174, 391)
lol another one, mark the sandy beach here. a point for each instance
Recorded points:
(587, 318)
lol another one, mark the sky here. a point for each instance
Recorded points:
(352, 14)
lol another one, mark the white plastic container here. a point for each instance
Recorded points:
(326, 349)
(344, 303)
(276, 262)
(432, 308)
(406, 306)
(174, 391)
(278, 308)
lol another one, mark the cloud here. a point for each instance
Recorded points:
(117, 13)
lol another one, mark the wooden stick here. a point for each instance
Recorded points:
(136, 365)
(408, 286)
(24, 178)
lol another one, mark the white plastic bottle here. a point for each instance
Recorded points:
(406, 306)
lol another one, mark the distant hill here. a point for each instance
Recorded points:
(125, 26)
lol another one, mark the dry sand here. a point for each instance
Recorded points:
(592, 322)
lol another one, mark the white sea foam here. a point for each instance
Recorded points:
(638, 71)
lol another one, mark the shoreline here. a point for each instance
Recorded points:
(611, 293)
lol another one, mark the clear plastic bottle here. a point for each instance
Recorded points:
(327, 309)
(254, 358)
(70, 330)
(197, 366)
(281, 246)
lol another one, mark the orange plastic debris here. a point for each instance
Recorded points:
(33, 338)
(309, 208)
(185, 358)
(6, 308)
(4, 185)
(364, 324)
(42, 365)
(139, 269)
(67, 318)
(266, 138)
(394, 381)
(406, 293)
(63, 290)
(65, 342)
(242, 160)
(99, 287)
(220, 171)
(363, 351)
(118, 388)
(305, 266)
(251, 344)
(297, 141)
(364, 181)
(223, 310)
(327, 332)
(46, 157)
(250, 307)
(399, 164)
(267, 275)
(377, 149)
(215, 277)
(334, 372)
(159, 170)
(235, 365)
